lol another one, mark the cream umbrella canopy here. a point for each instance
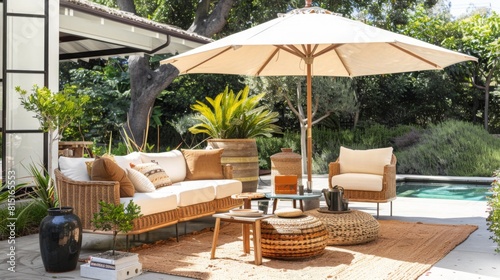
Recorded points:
(314, 41)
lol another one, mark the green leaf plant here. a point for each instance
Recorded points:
(234, 116)
(493, 220)
(54, 111)
(117, 218)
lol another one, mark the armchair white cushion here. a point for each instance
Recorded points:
(364, 161)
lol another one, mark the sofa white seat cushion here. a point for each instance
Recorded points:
(190, 192)
(358, 181)
(364, 161)
(223, 187)
(153, 202)
(172, 162)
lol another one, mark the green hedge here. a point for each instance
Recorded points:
(452, 148)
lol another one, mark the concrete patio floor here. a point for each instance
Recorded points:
(473, 259)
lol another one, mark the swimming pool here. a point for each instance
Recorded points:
(458, 191)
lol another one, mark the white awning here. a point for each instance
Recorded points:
(88, 30)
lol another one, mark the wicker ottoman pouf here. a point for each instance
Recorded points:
(354, 227)
(293, 238)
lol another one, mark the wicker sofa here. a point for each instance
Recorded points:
(183, 200)
(365, 175)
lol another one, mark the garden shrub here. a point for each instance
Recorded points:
(452, 148)
(27, 223)
(494, 210)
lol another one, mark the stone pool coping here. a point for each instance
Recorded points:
(449, 179)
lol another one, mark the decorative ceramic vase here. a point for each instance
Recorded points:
(60, 239)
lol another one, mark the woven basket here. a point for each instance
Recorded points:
(350, 228)
(293, 238)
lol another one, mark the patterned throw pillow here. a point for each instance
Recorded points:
(154, 173)
(141, 183)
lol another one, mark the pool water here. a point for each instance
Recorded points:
(443, 191)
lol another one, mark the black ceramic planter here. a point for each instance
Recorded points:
(60, 239)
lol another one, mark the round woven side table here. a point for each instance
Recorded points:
(293, 238)
(353, 227)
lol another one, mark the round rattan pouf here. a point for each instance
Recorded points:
(293, 238)
(353, 227)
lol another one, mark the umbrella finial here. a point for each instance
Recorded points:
(308, 3)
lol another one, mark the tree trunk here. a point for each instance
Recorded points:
(126, 5)
(145, 86)
(208, 24)
(303, 146)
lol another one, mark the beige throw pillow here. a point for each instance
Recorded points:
(140, 181)
(203, 164)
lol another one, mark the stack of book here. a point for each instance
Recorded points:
(102, 266)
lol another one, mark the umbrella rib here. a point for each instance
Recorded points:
(414, 55)
(291, 49)
(208, 59)
(267, 61)
(327, 49)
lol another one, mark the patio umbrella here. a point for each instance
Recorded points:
(314, 41)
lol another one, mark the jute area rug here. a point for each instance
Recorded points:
(403, 251)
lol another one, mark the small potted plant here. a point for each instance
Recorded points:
(55, 112)
(232, 121)
(117, 218)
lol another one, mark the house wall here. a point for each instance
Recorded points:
(29, 57)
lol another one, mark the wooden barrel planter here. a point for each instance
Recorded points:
(243, 156)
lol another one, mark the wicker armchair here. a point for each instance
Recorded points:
(387, 193)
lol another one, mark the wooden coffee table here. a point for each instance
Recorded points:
(246, 222)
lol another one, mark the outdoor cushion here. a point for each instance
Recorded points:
(364, 161)
(74, 168)
(358, 181)
(125, 161)
(153, 202)
(203, 164)
(172, 162)
(140, 181)
(190, 192)
(105, 169)
(223, 187)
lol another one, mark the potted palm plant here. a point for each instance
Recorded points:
(232, 122)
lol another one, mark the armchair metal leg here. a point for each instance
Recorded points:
(377, 209)
(391, 208)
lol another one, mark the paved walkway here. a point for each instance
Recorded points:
(473, 259)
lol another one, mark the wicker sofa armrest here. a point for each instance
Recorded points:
(389, 177)
(84, 196)
(333, 169)
(227, 171)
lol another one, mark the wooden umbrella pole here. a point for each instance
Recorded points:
(309, 122)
